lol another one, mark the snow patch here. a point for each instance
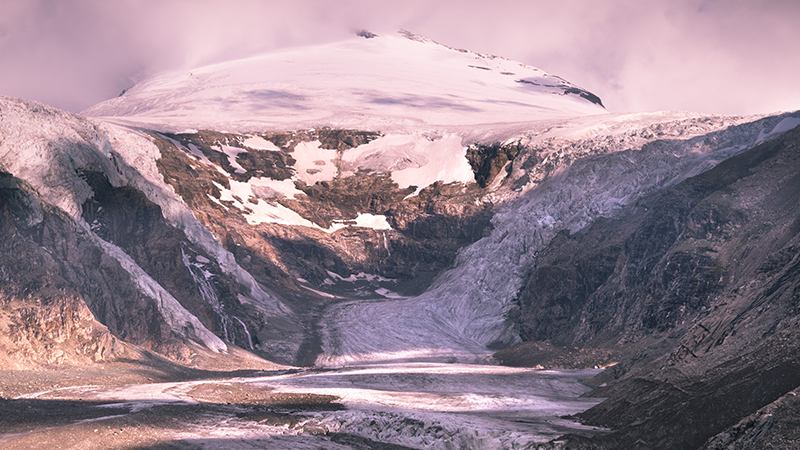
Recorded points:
(314, 163)
(256, 210)
(259, 143)
(376, 222)
(232, 153)
(413, 159)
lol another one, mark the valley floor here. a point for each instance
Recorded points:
(385, 406)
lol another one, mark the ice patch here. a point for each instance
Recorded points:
(198, 153)
(232, 153)
(259, 143)
(376, 222)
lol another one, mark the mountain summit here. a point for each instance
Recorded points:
(370, 83)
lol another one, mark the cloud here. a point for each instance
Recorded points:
(721, 56)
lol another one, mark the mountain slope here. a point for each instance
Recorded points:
(66, 165)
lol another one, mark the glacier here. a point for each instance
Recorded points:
(462, 316)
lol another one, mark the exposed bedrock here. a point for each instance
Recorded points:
(123, 216)
(487, 160)
(54, 282)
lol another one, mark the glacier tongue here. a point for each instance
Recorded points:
(589, 177)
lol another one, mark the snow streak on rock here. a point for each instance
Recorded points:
(49, 149)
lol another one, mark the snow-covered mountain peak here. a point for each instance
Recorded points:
(388, 82)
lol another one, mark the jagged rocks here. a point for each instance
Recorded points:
(43, 314)
(488, 160)
(124, 217)
(772, 427)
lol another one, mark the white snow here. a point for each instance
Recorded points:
(376, 222)
(389, 83)
(267, 188)
(783, 126)
(257, 211)
(314, 163)
(259, 143)
(412, 159)
(232, 152)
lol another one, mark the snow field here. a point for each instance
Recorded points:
(397, 82)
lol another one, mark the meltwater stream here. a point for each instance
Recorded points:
(444, 406)
(416, 405)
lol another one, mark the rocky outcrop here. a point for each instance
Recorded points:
(488, 160)
(276, 164)
(773, 426)
(123, 216)
(53, 283)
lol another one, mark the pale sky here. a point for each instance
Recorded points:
(713, 56)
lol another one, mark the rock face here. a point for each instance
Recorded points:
(696, 289)
(89, 295)
(52, 286)
(125, 218)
